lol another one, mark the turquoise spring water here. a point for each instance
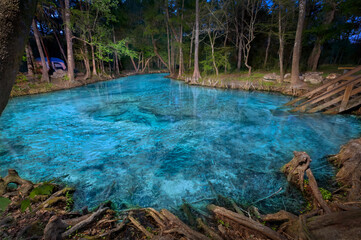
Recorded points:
(151, 141)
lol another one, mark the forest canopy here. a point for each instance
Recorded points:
(104, 37)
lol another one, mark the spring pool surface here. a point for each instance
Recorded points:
(151, 141)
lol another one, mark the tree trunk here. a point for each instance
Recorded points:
(196, 73)
(115, 56)
(315, 55)
(181, 62)
(295, 79)
(60, 47)
(172, 55)
(281, 40)
(45, 75)
(86, 61)
(69, 42)
(317, 48)
(30, 61)
(240, 44)
(191, 50)
(168, 48)
(93, 55)
(46, 54)
(267, 49)
(212, 42)
(155, 49)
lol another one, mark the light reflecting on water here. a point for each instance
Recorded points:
(150, 141)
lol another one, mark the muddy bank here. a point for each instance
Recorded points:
(44, 211)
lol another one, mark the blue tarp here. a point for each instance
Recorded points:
(52, 59)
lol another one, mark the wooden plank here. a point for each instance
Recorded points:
(325, 105)
(333, 91)
(309, 94)
(346, 97)
(335, 109)
(354, 103)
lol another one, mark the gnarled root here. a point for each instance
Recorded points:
(295, 169)
(24, 188)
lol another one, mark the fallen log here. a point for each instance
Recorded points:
(85, 222)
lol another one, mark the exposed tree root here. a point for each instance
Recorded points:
(24, 188)
(246, 222)
(334, 218)
(295, 169)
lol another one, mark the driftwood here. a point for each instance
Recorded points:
(246, 222)
(295, 169)
(24, 188)
(85, 222)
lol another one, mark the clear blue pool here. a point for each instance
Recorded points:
(151, 141)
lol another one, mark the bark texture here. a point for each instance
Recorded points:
(295, 79)
(15, 18)
(69, 42)
(44, 71)
(196, 73)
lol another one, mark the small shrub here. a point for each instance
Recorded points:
(326, 195)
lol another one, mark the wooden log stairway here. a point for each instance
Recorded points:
(336, 96)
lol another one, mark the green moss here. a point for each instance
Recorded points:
(326, 195)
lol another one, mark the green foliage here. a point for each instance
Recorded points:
(25, 204)
(20, 78)
(69, 201)
(44, 189)
(4, 203)
(326, 195)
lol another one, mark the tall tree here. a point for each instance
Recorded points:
(44, 71)
(181, 61)
(30, 61)
(329, 10)
(295, 78)
(196, 73)
(69, 41)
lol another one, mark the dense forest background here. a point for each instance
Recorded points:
(105, 37)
